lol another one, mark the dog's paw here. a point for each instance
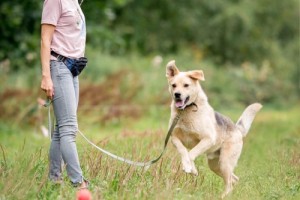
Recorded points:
(187, 167)
(188, 171)
(224, 194)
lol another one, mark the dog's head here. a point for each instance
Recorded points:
(183, 86)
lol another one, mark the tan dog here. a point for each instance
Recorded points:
(204, 131)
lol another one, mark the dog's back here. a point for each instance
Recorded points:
(224, 122)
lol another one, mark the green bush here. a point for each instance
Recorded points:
(19, 33)
(228, 34)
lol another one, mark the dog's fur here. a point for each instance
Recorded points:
(204, 131)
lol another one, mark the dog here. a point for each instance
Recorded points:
(201, 130)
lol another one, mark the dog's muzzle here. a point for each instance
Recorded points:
(179, 102)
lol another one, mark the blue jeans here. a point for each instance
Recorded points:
(63, 144)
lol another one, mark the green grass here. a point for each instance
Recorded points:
(124, 108)
(269, 167)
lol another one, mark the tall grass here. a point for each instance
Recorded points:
(269, 167)
(124, 108)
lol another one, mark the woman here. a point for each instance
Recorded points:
(63, 32)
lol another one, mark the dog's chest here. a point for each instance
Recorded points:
(189, 139)
(192, 124)
(189, 130)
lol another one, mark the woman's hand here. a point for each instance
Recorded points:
(47, 86)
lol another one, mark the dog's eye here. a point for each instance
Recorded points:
(174, 85)
(186, 85)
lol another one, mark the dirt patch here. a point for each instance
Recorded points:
(13, 101)
(116, 94)
(114, 90)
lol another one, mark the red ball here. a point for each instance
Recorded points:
(84, 194)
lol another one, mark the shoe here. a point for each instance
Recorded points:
(85, 185)
(57, 181)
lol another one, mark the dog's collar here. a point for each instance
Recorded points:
(193, 104)
(190, 105)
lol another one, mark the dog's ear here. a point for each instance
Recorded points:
(171, 69)
(196, 74)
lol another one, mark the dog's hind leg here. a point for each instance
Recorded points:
(230, 154)
(224, 169)
(214, 165)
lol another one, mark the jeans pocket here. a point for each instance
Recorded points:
(63, 70)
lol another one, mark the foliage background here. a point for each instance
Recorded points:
(256, 38)
(249, 51)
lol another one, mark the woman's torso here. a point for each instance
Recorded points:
(70, 29)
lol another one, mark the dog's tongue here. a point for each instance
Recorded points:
(179, 103)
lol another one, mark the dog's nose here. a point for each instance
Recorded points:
(177, 95)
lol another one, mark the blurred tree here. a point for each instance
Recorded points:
(232, 31)
(263, 35)
(226, 31)
(102, 31)
(19, 30)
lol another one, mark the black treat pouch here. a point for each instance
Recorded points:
(76, 65)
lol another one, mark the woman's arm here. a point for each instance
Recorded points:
(46, 38)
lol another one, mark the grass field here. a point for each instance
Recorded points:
(269, 167)
(124, 108)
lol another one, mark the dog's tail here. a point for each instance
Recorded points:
(246, 119)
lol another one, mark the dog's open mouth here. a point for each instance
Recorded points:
(179, 103)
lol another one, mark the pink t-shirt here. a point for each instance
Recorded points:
(70, 32)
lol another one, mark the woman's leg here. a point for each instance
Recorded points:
(55, 157)
(65, 103)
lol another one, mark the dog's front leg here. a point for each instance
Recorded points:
(201, 147)
(188, 165)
